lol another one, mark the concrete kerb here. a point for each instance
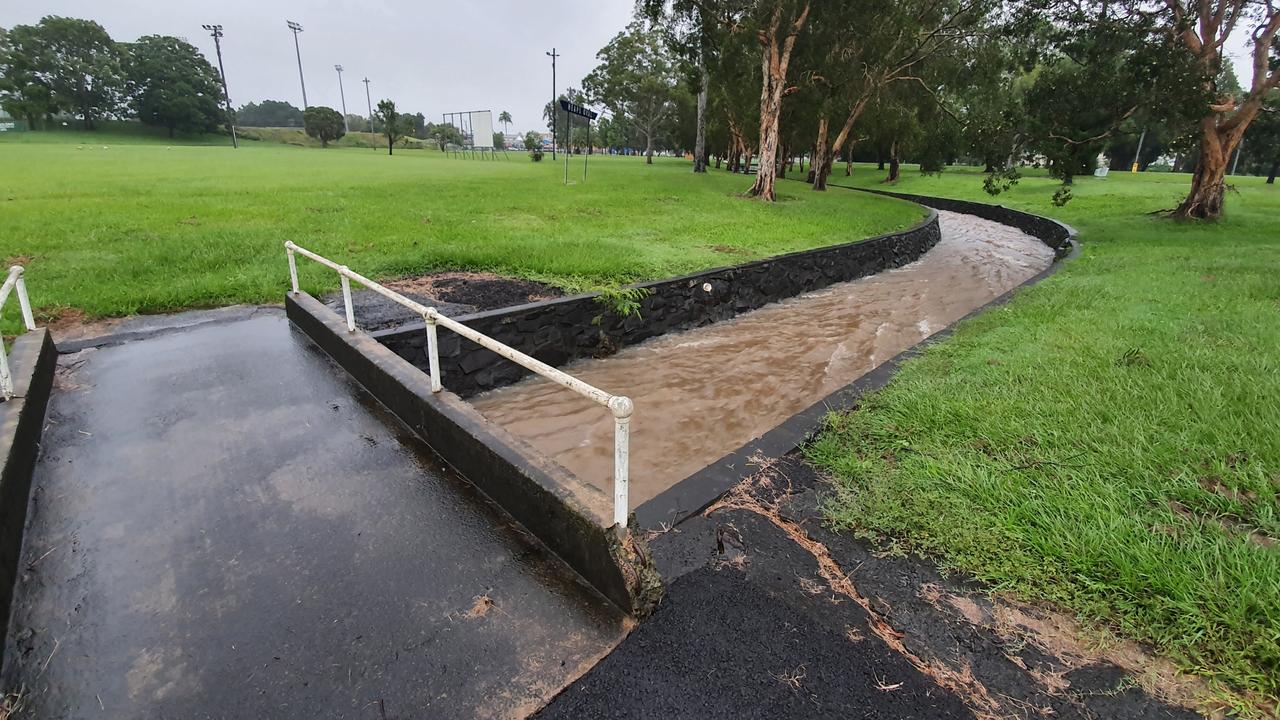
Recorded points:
(32, 359)
(566, 514)
(698, 491)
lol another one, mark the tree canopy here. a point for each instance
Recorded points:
(324, 124)
(172, 85)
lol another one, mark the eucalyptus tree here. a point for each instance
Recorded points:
(862, 60)
(636, 79)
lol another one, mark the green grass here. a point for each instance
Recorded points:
(1109, 440)
(131, 223)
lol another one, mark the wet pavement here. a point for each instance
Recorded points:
(224, 525)
(702, 393)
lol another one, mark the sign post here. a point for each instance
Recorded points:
(582, 112)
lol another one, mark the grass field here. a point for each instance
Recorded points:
(115, 224)
(1110, 441)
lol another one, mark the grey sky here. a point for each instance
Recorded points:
(429, 56)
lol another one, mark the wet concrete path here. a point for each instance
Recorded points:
(702, 393)
(224, 525)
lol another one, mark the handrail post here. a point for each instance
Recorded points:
(6, 380)
(24, 302)
(293, 267)
(346, 298)
(433, 349)
(621, 407)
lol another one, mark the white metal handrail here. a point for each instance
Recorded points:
(13, 281)
(619, 405)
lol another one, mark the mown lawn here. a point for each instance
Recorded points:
(1110, 441)
(145, 225)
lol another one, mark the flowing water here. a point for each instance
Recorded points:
(702, 393)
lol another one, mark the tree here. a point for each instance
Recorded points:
(636, 79)
(1203, 28)
(499, 141)
(695, 38)
(393, 125)
(504, 117)
(269, 113)
(80, 64)
(1263, 138)
(173, 86)
(444, 135)
(777, 36)
(324, 124)
(24, 91)
(532, 141)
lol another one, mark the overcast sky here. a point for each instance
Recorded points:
(429, 56)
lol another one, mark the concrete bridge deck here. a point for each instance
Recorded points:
(224, 525)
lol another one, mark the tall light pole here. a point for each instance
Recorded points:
(342, 94)
(215, 31)
(368, 103)
(296, 28)
(554, 117)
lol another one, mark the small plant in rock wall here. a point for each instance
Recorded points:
(623, 302)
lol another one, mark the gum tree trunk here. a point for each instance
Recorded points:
(774, 60)
(819, 178)
(700, 143)
(1208, 184)
(895, 165)
(1271, 174)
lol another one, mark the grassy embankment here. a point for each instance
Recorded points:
(1110, 441)
(115, 225)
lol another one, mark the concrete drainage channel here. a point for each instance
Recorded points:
(575, 518)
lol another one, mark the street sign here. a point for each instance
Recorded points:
(576, 109)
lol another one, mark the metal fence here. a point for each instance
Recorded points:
(620, 406)
(13, 282)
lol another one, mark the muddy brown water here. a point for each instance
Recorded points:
(702, 393)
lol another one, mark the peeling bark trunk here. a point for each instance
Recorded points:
(775, 58)
(1208, 184)
(895, 165)
(700, 142)
(819, 156)
(825, 159)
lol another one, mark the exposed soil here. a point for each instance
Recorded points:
(452, 293)
(771, 613)
(482, 291)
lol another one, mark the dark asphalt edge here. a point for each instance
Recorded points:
(695, 493)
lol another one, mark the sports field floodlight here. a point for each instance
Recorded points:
(342, 94)
(554, 117)
(297, 28)
(368, 103)
(215, 32)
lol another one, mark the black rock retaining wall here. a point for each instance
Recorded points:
(558, 331)
(1051, 232)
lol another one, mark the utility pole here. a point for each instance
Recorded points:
(1236, 163)
(554, 124)
(342, 94)
(368, 103)
(296, 28)
(215, 31)
(1137, 157)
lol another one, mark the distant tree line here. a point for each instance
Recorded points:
(71, 67)
(755, 84)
